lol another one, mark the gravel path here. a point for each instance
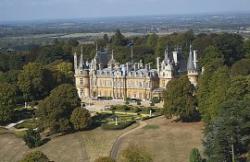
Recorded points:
(116, 146)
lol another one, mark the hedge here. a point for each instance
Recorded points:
(122, 125)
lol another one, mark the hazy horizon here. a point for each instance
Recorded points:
(19, 10)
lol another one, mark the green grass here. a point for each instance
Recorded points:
(19, 134)
(152, 126)
(30, 124)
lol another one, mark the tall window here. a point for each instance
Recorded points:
(81, 80)
(81, 92)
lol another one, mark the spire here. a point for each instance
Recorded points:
(166, 59)
(81, 60)
(190, 63)
(75, 61)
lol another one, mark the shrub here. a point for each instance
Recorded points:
(80, 118)
(156, 100)
(195, 156)
(112, 126)
(36, 156)
(125, 108)
(134, 153)
(137, 109)
(32, 138)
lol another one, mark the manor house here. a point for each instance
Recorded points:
(103, 76)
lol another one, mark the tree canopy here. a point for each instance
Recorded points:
(80, 118)
(35, 156)
(55, 110)
(179, 100)
(7, 102)
(33, 81)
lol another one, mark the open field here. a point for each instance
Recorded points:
(166, 141)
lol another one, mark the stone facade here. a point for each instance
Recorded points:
(104, 77)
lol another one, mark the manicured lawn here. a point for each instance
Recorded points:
(29, 123)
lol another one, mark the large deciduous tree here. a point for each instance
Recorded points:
(179, 100)
(241, 67)
(7, 102)
(54, 111)
(33, 81)
(231, 46)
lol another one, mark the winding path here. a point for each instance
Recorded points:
(118, 141)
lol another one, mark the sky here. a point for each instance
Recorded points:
(11, 10)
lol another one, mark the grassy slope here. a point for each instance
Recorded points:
(167, 141)
(80, 146)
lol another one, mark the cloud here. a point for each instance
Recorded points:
(43, 9)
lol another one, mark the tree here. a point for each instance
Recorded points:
(104, 159)
(211, 53)
(179, 100)
(231, 46)
(212, 87)
(239, 88)
(118, 39)
(227, 135)
(35, 156)
(134, 153)
(59, 50)
(195, 156)
(247, 48)
(32, 81)
(32, 138)
(241, 67)
(152, 40)
(80, 118)
(61, 72)
(10, 76)
(55, 110)
(106, 38)
(7, 102)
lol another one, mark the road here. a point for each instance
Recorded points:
(116, 146)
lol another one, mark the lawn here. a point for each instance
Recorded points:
(76, 147)
(29, 123)
(166, 140)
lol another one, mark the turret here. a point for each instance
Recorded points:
(82, 79)
(166, 70)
